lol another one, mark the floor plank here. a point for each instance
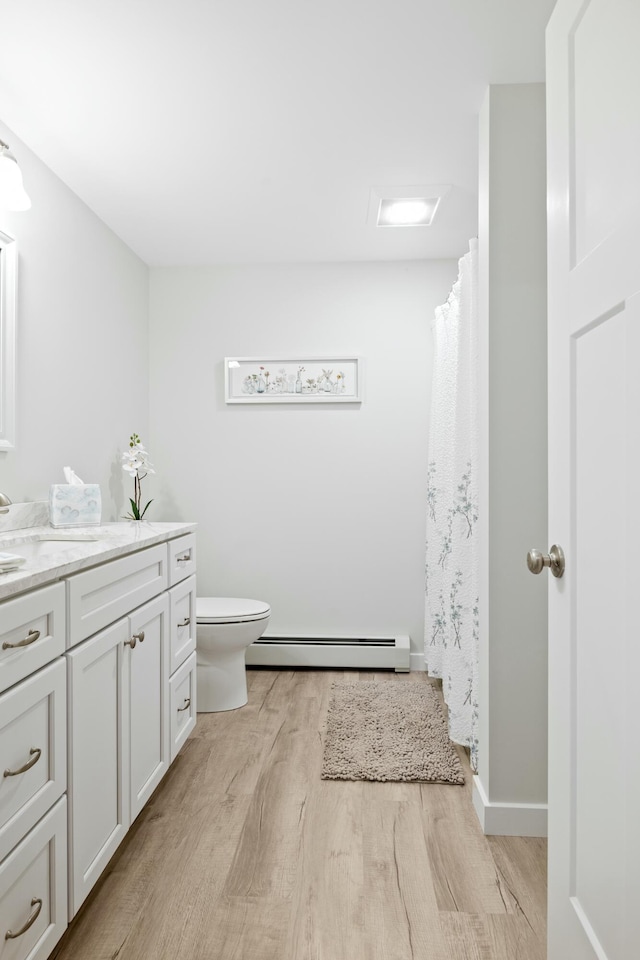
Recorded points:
(465, 875)
(245, 853)
(327, 919)
(490, 937)
(402, 914)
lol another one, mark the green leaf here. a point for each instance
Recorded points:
(145, 509)
(134, 509)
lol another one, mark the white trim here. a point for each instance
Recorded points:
(295, 650)
(509, 819)
(8, 292)
(417, 662)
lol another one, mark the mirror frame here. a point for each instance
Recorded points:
(8, 292)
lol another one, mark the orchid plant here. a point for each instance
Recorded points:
(136, 463)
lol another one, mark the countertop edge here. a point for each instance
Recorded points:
(94, 552)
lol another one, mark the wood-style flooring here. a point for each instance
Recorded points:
(244, 853)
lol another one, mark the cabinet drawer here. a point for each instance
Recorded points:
(101, 595)
(183, 704)
(182, 558)
(182, 622)
(33, 752)
(32, 633)
(33, 886)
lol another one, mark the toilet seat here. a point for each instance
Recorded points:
(230, 610)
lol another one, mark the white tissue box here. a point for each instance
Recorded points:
(74, 504)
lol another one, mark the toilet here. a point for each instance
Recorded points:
(226, 627)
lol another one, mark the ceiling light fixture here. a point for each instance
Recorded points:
(13, 196)
(407, 212)
(410, 205)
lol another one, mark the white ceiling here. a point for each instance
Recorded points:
(207, 131)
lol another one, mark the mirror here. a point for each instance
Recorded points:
(8, 267)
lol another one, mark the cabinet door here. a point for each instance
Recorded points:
(148, 699)
(98, 756)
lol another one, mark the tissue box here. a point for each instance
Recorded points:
(74, 504)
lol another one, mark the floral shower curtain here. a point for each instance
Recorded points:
(451, 576)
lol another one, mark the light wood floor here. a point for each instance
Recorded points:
(244, 853)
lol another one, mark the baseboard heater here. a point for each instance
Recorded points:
(366, 653)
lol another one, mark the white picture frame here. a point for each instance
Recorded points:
(266, 380)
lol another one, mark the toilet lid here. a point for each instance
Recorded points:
(230, 610)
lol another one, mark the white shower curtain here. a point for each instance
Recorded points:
(451, 575)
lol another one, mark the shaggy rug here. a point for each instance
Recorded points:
(388, 731)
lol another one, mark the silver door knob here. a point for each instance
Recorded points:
(537, 561)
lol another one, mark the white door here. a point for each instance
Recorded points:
(593, 129)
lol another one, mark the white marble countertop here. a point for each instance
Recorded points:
(62, 555)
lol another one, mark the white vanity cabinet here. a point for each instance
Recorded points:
(86, 735)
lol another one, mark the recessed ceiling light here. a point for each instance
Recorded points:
(407, 212)
(409, 205)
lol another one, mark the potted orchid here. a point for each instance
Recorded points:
(136, 463)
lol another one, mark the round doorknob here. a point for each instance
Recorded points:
(537, 561)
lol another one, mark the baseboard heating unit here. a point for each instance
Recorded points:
(366, 653)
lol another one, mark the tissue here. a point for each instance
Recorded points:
(74, 503)
(71, 477)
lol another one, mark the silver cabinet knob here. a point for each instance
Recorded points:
(134, 639)
(537, 561)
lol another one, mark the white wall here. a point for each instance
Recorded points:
(82, 343)
(318, 509)
(513, 639)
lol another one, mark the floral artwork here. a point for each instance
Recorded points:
(303, 380)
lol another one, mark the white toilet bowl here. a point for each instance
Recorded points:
(226, 627)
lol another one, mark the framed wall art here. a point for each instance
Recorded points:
(292, 379)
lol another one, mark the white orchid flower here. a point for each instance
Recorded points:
(135, 462)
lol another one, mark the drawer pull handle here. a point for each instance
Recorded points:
(184, 559)
(187, 704)
(37, 903)
(35, 753)
(31, 637)
(134, 639)
(185, 622)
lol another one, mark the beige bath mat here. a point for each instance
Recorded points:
(393, 730)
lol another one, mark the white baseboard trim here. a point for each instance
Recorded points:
(417, 662)
(365, 653)
(509, 819)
